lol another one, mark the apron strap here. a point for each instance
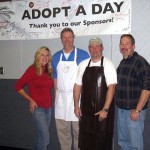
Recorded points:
(89, 63)
(102, 61)
(75, 54)
(101, 65)
(60, 59)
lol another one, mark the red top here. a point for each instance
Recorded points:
(39, 87)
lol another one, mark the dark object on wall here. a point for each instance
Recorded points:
(5, 0)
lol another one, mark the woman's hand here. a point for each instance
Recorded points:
(32, 105)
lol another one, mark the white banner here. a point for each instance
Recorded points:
(44, 19)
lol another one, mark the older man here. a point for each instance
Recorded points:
(95, 83)
(65, 63)
(131, 96)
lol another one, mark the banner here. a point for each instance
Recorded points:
(44, 19)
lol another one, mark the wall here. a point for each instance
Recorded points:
(16, 126)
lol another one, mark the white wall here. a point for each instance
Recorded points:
(16, 56)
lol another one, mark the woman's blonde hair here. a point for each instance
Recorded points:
(38, 65)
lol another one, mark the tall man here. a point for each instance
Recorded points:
(95, 84)
(65, 64)
(131, 96)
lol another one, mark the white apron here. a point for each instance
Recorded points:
(64, 103)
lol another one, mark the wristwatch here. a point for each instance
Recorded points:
(137, 110)
(105, 109)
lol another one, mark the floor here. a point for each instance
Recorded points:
(10, 148)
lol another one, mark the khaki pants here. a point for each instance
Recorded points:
(67, 134)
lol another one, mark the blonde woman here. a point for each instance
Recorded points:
(38, 78)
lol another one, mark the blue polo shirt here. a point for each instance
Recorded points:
(81, 55)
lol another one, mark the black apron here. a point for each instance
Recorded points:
(93, 134)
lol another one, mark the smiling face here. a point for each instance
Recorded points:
(95, 51)
(44, 57)
(126, 46)
(67, 39)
